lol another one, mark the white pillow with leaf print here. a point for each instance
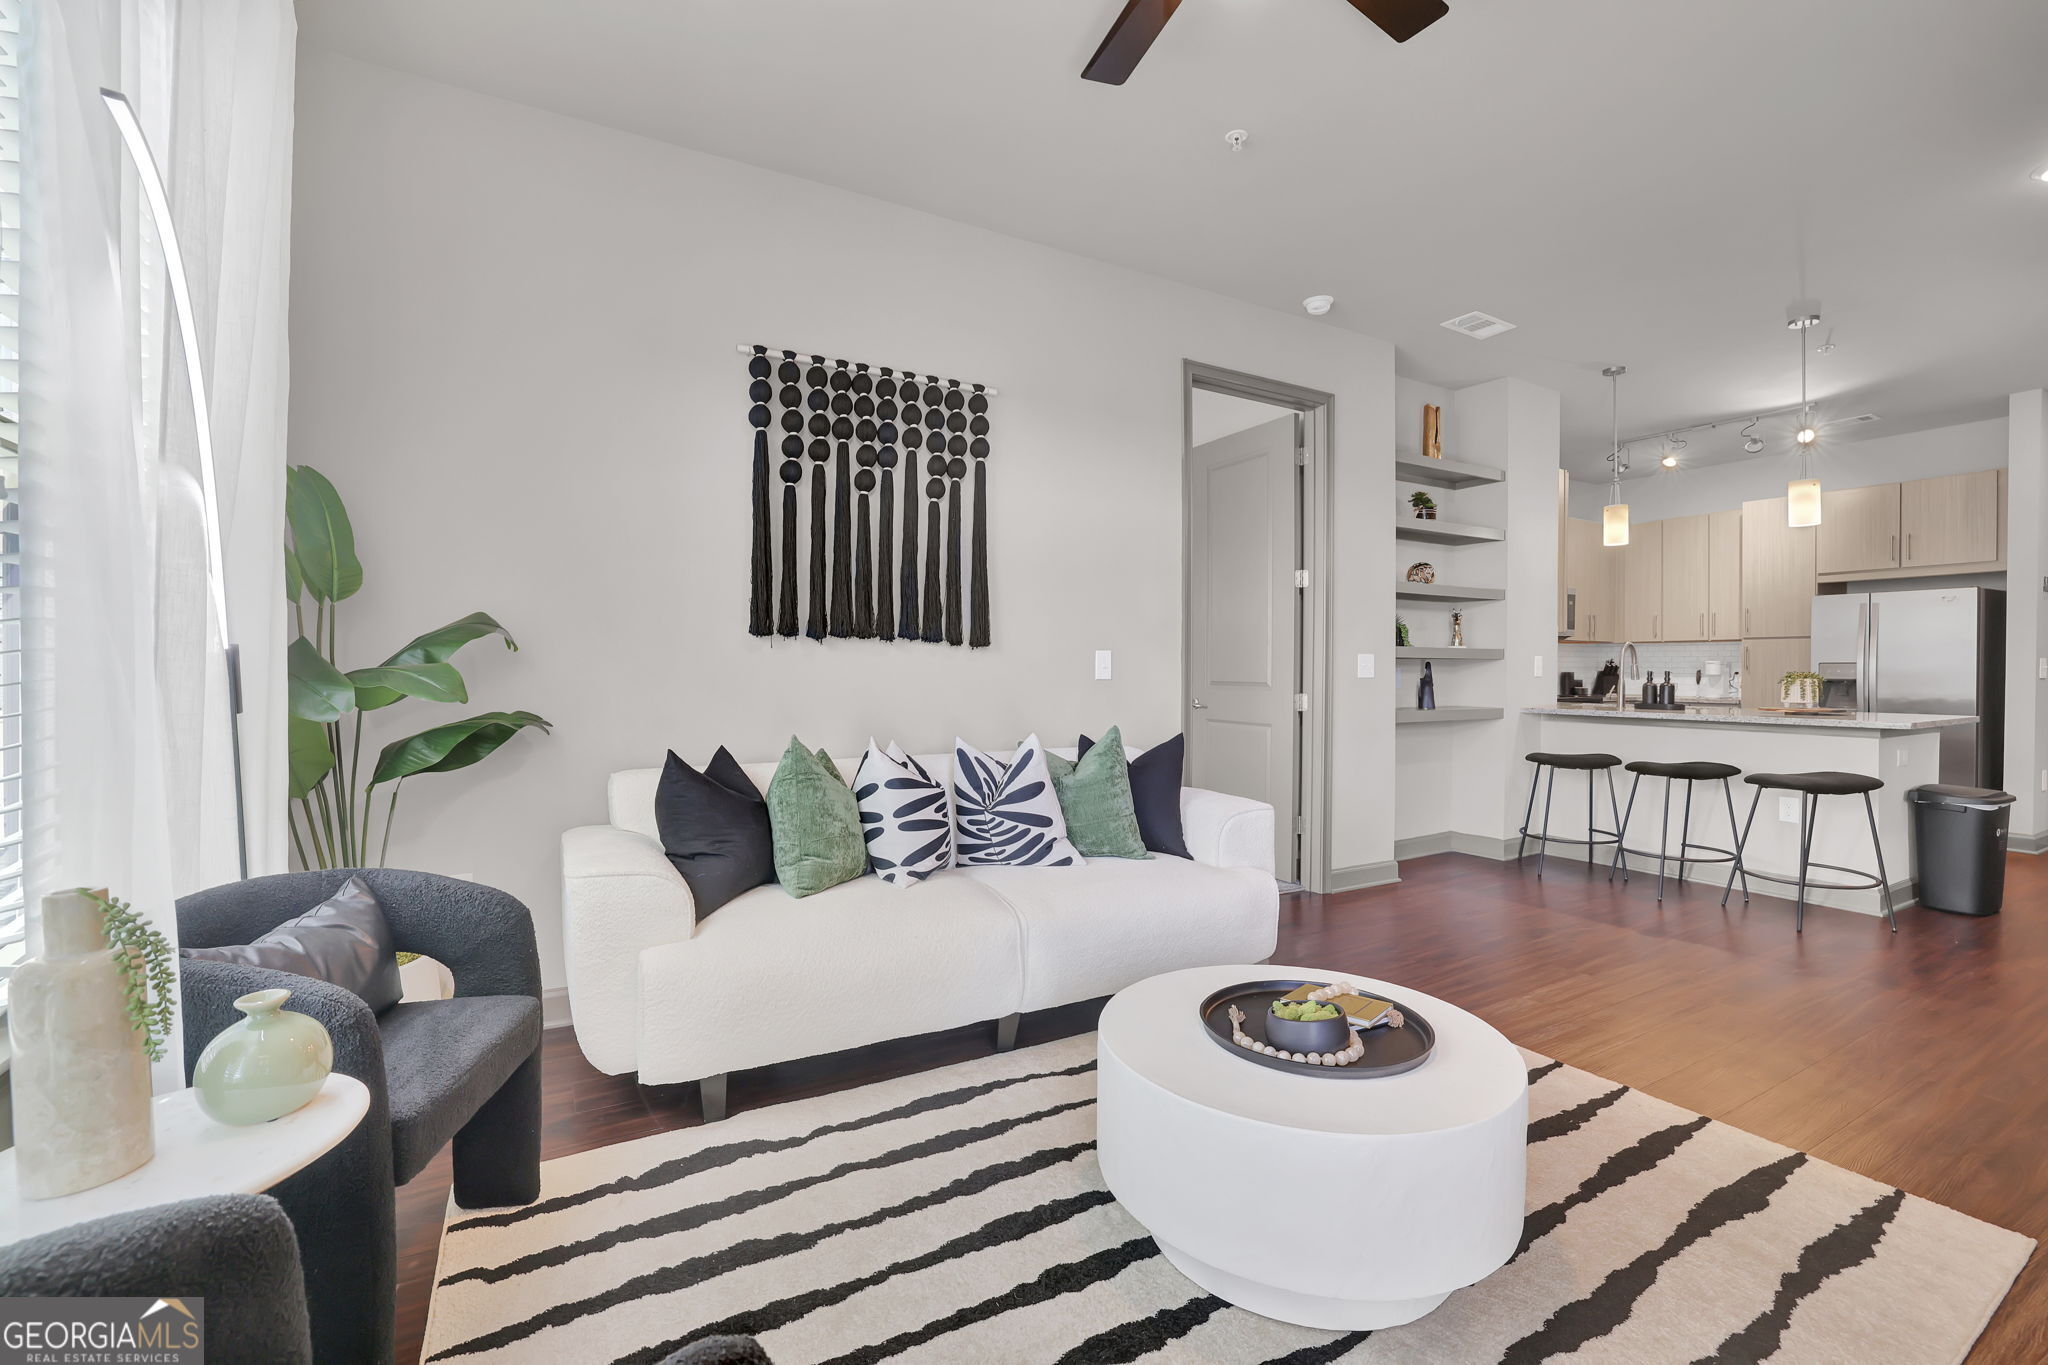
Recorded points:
(902, 817)
(1007, 814)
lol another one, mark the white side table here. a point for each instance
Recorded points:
(1338, 1204)
(195, 1156)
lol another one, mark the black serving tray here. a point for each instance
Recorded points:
(1389, 1051)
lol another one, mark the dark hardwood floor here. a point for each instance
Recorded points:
(1919, 1059)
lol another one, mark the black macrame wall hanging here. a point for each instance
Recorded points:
(863, 423)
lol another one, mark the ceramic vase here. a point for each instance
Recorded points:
(80, 1077)
(272, 1062)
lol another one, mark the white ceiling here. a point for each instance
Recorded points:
(1644, 182)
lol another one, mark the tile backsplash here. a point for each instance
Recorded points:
(1682, 659)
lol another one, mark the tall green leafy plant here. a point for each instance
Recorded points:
(332, 805)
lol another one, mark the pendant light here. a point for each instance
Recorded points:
(1614, 516)
(1802, 495)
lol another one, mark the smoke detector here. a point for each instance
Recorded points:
(1236, 138)
(1479, 326)
(1317, 304)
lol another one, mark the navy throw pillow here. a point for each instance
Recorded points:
(714, 829)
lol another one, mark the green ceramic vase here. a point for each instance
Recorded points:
(263, 1068)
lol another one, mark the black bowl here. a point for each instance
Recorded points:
(1308, 1035)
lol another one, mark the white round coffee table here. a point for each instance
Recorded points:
(1326, 1202)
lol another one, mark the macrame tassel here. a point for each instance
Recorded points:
(842, 546)
(761, 617)
(885, 559)
(934, 605)
(863, 575)
(906, 618)
(953, 635)
(785, 621)
(977, 626)
(815, 625)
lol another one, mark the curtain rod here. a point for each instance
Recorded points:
(747, 348)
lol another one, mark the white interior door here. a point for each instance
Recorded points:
(1244, 623)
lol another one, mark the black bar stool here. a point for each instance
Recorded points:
(1811, 787)
(1687, 773)
(1588, 764)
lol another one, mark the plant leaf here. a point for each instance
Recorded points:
(322, 538)
(379, 687)
(311, 758)
(319, 691)
(437, 645)
(294, 582)
(455, 745)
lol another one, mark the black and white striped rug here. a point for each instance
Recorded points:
(957, 1216)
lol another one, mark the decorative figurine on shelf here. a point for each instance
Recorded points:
(1432, 431)
(1401, 633)
(1457, 630)
(1424, 505)
(1422, 571)
(1425, 691)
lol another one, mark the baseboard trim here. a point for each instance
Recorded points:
(2027, 843)
(554, 1007)
(1451, 841)
(1364, 875)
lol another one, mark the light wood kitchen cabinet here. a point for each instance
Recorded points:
(1950, 520)
(1724, 575)
(1687, 570)
(1859, 529)
(1589, 571)
(1777, 573)
(1642, 582)
(1766, 662)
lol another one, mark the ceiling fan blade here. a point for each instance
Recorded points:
(1402, 19)
(1129, 38)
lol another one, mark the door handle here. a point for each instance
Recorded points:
(1198, 704)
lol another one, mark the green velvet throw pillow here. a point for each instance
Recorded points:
(1095, 797)
(815, 822)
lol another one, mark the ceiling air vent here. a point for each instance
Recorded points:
(1479, 326)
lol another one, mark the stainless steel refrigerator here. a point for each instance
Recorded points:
(1935, 650)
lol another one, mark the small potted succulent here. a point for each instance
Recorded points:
(1307, 1026)
(1424, 505)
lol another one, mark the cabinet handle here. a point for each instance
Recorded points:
(1895, 549)
(1703, 625)
(1745, 620)
(1909, 547)
(1654, 634)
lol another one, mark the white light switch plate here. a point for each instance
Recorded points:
(2044, 668)
(1102, 664)
(1536, 669)
(1788, 809)
(1365, 665)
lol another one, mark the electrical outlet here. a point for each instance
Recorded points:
(1102, 665)
(2044, 779)
(1365, 665)
(2043, 668)
(1536, 668)
(1898, 758)
(1788, 809)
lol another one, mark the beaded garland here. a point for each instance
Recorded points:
(1325, 993)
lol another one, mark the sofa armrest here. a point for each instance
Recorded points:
(620, 896)
(1227, 831)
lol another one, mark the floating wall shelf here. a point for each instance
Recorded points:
(1445, 473)
(1445, 592)
(1446, 652)
(1446, 532)
(1445, 715)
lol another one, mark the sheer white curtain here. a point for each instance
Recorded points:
(129, 779)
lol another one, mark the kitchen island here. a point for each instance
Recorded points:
(1901, 749)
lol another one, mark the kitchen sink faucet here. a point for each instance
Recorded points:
(1631, 670)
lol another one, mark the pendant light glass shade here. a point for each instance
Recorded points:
(1802, 502)
(1614, 524)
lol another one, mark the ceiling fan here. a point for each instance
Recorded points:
(1139, 25)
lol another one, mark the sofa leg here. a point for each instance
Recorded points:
(497, 1153)
(711, 1090)
(1006, 1032)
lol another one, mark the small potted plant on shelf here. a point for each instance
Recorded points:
(1307, 1026)
(1424, 505)
(1800, 689)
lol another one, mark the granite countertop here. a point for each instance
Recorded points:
(1725, 715)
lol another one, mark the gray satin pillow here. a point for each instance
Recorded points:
(343, 940)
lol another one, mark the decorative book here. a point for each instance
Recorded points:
(1364, 1011)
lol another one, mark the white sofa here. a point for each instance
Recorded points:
(653, 990)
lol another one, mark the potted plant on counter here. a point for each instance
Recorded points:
(1424, 505)
(1800, 689)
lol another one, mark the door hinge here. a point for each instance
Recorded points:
(1301, 578)
(1301, 701)
(1300, 825)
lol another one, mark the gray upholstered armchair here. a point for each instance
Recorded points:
(233, 1250)
(466, 1070)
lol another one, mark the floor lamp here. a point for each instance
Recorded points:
(202, 427)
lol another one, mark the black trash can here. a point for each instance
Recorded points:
(1959, 841)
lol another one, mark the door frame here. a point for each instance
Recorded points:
(1317, 411)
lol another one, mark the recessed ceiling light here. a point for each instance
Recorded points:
(1317, 304)
(1669, 462)
(2041, 175)
(1479, 326)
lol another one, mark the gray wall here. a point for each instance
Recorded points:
(513, 350)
